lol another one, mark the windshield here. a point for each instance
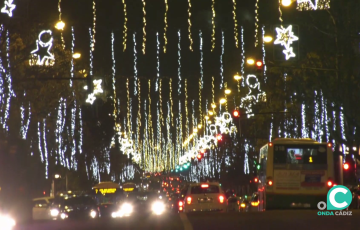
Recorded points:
(79, 201)
(300, 154)
(210, 189)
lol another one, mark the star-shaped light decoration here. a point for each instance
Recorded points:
(255, 94)
(285, 37)
(91, 98)
(42, 51)
(289, 53)
(97, 86)
(8, 8)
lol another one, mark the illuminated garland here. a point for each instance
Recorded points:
(128, 108)
(8, 78)
(256, 23)
(150, 127)
(39, 142)
(157, 62)
(213, 89)
(171, 103)
(180, 129)
(221, 59)
(144, 26)
(264, 54)
(306, 5)
(8, 8)
(201, 61)
(91, 53)
(46, 154)
(25, 124)
(200, 103)
(280, 13)
(38, 57)
(2, 86)
(189, 23)
(165, 24)
(135, 65)
(236, 34)
(186, 111)
(246, 102)
(161, 104)
(113, 75)
(125, 26)
(138, 116)
(94, 26)
(213, 26)
(158, 139)
(242, 56)
(61, 33)
(179, 63)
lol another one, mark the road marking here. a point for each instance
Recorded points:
(186, 221)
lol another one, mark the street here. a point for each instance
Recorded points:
(288, 219)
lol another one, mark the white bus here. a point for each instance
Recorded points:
(294, 173)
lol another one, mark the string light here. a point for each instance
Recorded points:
(91, 53)
(256, 23)
(271, 127)
(246, 102)
(94, 26)
(151, 134)
(200, 103)
(280, 12)
(186, 110)
(131, 120)
(213, 89)
(305, 5)
(189, 23)
(144, 26)
(304, 131)
(125, 26)
(171, 103)
(242, 55)
(179, 62)
(135, 65)
(165, 24)
(114, 74)
(61, 33)
(80, 129)
(2, 87)
(158, 139)
(73, 126)
(128, 107)
(342, 126)
(180, 131)
(157, 62)
(8, 8)
(39, 142)
(46, 155)
(138, 124)
(37, 56)
(72, 54)
(161, 104)
(264, 54)
(9, 83)
(222, 59)
(236, 34)
(213, 26)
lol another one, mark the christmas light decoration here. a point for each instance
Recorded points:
(285, 37)
(113, 75)
(138, 123)
(128, 107)
(72, 55)
(135, 65)
(189, 25)
(73, 126)
(264, 54)
(201, 60)
(157, 62)
(144, 26)
(125, 26)
(97, 87)
(94, 27)
(200, 103)
(91, 98)
(213, 89)
(46, 154)
(289, 53)
(171, 103)
(221, 59)
(271, 127)
(39, 142)
(251, 97)
(280, 12)
(41, 59)
(236, 34)
(91, 53)
(80, 129)
(61, 28)
(304, 131)
(165, 24)
(186, 111)
(213, 26)
(8, 8)
(256, 22)
(8, 80)
(305, 5)
(179, 63)
(242, 55)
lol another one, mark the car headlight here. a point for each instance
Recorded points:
(126, 209)
(158, 207)
(54, 212)
(6, 223)
(93, 213)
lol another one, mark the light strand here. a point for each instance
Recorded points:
(144, 26)
(179, 62)
(91, 53)
(72, 69)
(94, 26)
(135, 65)
(221, 59)
(61, 34)
(213, 89)
(189, 25)
(128, 107)
(256, 23)
(46, 154)
(113, 75)
(161, 103)
(236, 33)
(158, 139)
(39, 142)
(73, 126)
(138, 125)
(242, 56)
(125, 26)
(157, 62)
(264, 54)
(213, 25)
(280, 13)
(186, 110)
(200, 102)
(10, 93)
(151, 131)
(171, 103)
(165, 24)
(201, 60)
(2, 86)
(180, 133)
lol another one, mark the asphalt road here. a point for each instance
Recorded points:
(292, 219)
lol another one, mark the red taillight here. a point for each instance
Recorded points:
(346, 166)
(329, 183)
(204, 186)
(181, 203)
(259, 64)
(188, 200)
(221, 199)
(256, 180)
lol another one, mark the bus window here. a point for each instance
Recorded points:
(300, 155)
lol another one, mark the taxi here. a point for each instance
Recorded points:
(205, 197)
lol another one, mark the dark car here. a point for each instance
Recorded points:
(74, 207)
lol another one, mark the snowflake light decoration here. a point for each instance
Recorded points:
(255, 94)
(305, 5)
(42, 52)
(8, 8)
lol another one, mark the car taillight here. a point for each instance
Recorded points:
(181, 203)
(188, 200)
(221, 199)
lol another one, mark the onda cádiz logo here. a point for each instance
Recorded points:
(338, 198)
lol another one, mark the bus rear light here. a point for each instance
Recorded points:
(255, 203)
(188, 200)
(221, 199)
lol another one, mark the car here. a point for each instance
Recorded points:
(254, 203)
(207, 196)
(244, 205)
(41, 208)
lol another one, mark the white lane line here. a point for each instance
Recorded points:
(186, 221)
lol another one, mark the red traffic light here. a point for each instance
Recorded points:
(199, 156)
(256, 180)
(202, 151)
(219, 137)
(346, 166)
(236, 113)
(259, 64)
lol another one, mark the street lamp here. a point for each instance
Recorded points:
(57, 176)
(77, 55)
(222, 101)
(60, 25)
(227, 91)
(267, 39)
(287, 3)
(250, 61)
(237, 77)
(213, 105)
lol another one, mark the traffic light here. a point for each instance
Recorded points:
(199, 156)
(90, 84)
(346, 166)
(236, 113)
(219, 137)
(349, 171)
(256, 180)
(259, 68)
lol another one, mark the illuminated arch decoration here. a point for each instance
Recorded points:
(8, 8)
(306, 5)
(285, 37)
(42, 55)
(255, 94)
